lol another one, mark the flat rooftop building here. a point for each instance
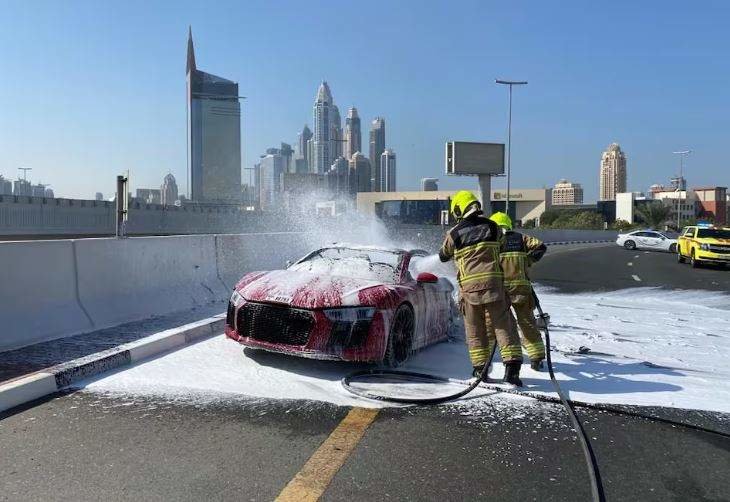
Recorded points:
(427, 206)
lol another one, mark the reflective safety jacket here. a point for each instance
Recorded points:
(516, 254)
(474, 245)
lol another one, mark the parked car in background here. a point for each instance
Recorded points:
(704, 244)
(648, 240)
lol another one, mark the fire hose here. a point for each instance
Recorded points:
(590, 457)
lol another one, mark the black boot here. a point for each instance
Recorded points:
(477, 372)
(536, 364)
(512, 373)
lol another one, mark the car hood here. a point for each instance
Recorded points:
(306, 290)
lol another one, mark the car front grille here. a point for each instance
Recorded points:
(274, 323)
(719, 249)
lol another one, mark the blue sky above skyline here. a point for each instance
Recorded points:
(90, 89)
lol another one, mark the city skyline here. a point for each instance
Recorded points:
(96, 121)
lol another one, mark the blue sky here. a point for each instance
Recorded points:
(90, 89)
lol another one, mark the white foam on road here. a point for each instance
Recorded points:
(641, 346)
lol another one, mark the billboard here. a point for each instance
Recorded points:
(467, 158)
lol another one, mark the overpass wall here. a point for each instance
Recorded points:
(52, 289)
(21, 215)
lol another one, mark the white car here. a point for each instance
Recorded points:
(647, 239)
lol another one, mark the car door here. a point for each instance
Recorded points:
(653, 240)
(640, 239)
(685, 244)
(434, 304)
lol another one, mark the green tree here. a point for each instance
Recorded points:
(621, 225)
(654, 214)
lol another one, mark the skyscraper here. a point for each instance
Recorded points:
(377, 146)
(169, 190)
(387, 171)
(337, 139)
(272, 166)
(613, 172)
(322, 151)
(353, 133)
(360, 174)
(303, 146)
(214, 135)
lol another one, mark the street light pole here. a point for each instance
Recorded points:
(509, 83)
(682, 154)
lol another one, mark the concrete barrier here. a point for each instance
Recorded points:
(122, 280)
(38, 295)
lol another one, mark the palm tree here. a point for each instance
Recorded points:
(654, 214)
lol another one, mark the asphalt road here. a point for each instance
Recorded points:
(82, 446)
(610, 267)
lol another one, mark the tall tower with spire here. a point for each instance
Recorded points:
(327, 127)
(214, 135)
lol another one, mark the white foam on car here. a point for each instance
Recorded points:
(646, 346)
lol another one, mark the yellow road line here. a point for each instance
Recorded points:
(313, 479)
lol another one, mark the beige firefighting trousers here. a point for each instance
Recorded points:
(479, 319)
(524, 307)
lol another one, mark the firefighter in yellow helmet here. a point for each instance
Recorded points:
(473, 243)
(517, 253)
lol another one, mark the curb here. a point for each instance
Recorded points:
(55, 378)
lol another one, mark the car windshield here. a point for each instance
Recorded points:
(713, 233)
(358, 263)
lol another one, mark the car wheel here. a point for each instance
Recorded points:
(630, 245)
(680, 258)
(694, 261)
(672, 248)
(400, 337)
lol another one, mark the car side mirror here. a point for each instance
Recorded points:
(427, 277)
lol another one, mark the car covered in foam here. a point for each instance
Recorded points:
(343, 302)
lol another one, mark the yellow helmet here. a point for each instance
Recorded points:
(502, 219)
(461, 201)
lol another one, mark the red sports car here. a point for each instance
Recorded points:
(350, 303)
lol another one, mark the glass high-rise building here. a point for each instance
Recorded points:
(214, 135)
(322, 153)
(353, 133)
(377, 146)
(272, 166)
(303, 147)
(387, 171)
(360, 174)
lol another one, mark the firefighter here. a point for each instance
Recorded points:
(474, 244)
(517, 253)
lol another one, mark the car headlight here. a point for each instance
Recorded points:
(705, 247)
(237, 298)
(350, 314)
